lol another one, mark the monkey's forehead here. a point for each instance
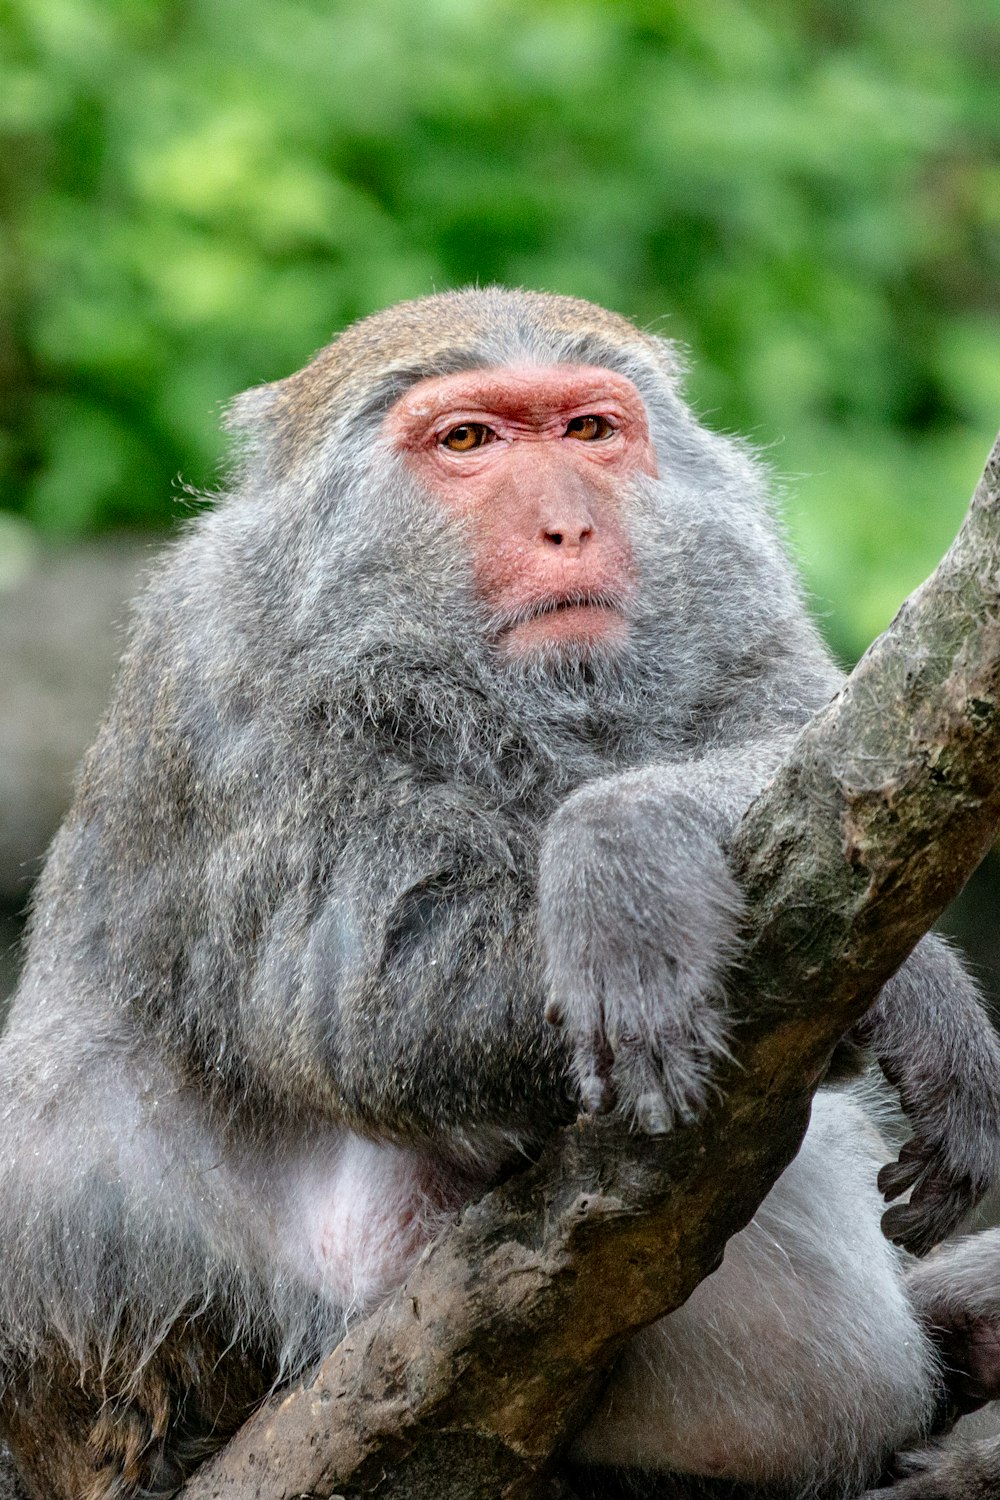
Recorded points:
(374, 360)
(496, 314)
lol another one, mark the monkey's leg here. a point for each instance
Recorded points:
(132, 1319)
(47, 1432)
(957, 1469)
(956, 1293)
(798, 1362)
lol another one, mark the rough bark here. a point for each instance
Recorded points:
(465, 1382)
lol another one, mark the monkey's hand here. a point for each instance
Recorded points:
(639, 916)
(936, 1045)
(939, 1200)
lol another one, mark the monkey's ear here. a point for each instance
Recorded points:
(253, 408)
(262, 427)
(275, 424)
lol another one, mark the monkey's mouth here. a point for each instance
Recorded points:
(578, 618)
(571, 602)
(576, 600)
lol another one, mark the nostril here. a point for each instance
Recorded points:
(574, 538)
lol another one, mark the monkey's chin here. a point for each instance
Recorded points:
(573, 631)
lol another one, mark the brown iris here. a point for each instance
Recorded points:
(589, 429)
(468, 435)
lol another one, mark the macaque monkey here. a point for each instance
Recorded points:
(403, 840)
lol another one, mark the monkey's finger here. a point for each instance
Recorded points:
(929, 1218)
(944, 1201)
(907, 1229)
(592, 1063)
(898, 1176)
(639, 1079)
(895, 1179)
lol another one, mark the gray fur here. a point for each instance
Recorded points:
(297, 902)
(954, 1470)
(797, 1364)
(10, 1484)
(930, 1010)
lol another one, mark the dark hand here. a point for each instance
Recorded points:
(940, 1197)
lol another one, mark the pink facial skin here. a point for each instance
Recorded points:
(535, 459)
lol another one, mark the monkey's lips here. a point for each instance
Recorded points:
(578, 620)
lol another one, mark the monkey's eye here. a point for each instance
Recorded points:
(469, 435)
(591, 429)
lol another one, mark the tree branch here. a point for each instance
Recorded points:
(467, 1380)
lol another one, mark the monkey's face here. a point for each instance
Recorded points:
(536, 462)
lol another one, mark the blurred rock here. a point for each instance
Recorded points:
(62, 617)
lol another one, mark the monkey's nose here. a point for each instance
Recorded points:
(569, 536)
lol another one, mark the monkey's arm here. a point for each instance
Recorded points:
(640, 920)
(419, 971)
(420, 974)
(423, 980)
(936, 1045)
(639, 915)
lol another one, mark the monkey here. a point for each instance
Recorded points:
(403, 840)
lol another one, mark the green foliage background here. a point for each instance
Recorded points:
(198, 193)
